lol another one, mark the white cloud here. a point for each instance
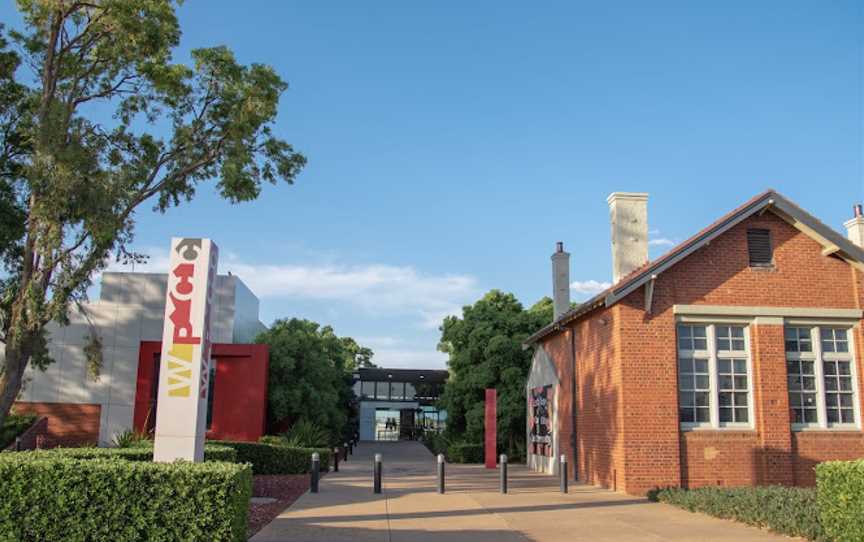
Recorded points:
(661, 242)
(589, 287)
(410, 359)
(378, 289)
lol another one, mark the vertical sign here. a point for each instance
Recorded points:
(491, 447)
(181, 409)
(540, 422)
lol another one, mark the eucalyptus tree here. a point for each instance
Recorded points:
(98, 120)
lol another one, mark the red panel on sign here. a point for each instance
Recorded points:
(491, 444)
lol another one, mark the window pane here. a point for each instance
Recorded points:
(410, 391)
(741, 415)
(725, 414)
(368, 389)
(702, 415)
(687, 415)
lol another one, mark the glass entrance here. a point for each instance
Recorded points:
(387, 423)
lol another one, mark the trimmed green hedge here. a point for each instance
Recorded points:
(53, 497)
(791, 511)
(141, 453)
(13, 426)
(267, 458)
(463, 452)
(840, 493)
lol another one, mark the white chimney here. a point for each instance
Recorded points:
(560, 281)
(855, 226)
(628, 214)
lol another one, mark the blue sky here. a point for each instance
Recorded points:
(450, 144)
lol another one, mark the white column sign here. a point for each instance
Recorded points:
(181, 410)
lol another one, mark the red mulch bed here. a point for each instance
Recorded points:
(284, 488)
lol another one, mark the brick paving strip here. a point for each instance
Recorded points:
(271, 494)
(473, 510)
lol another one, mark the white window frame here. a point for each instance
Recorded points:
(713, 355)
(819, 357)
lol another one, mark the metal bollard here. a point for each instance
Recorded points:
(336, 459)
(503, 460)
(316, 468)
(351, 447)
(441, 473)
(377, 471)
(17, 444)
(563, 469)
(345, 452)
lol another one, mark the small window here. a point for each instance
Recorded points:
(759, 247)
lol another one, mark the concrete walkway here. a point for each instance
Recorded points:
(472, 510)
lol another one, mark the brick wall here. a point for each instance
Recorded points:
(68, 424)
(599, 406)
(628, 430)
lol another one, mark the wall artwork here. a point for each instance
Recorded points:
(540, 422)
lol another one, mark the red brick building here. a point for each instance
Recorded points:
(734, 359)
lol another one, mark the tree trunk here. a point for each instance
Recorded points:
(11, 377)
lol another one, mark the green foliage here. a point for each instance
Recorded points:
(791, 511)
(840, 494)
(305, 434)
(13, 426)
(270, 457)
(310, 377)
(141, 451)
(464, 452)
(102, 122)
(47, 496)
(130, 438)
(485, 349)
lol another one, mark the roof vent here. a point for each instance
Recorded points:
(759, 247)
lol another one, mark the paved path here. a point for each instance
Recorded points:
(472, 510)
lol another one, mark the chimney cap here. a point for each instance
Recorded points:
(857, 210)
(638, 196)
(559, 246)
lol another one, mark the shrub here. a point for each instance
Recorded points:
(14, 425)
(786, 510)
(465, 452)
(51, 496)
(269, 458)
(840, 493)
(131, 438)
(142, 452)
(305, 434)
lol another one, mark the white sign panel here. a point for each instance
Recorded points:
(181, 409)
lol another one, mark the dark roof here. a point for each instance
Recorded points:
(380, 374)
(770, 200)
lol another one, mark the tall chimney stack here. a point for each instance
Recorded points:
(855, 226)
(560, 281)
(628, 214)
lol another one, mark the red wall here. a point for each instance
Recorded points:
(239, 393)
(68, 424)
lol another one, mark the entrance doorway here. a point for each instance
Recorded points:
(395, 424)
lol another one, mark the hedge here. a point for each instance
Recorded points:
(267, 458)
(786, 510)
(13, 426)
(840, 493)
(463, 452)
(50, 497)
(141, 453)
